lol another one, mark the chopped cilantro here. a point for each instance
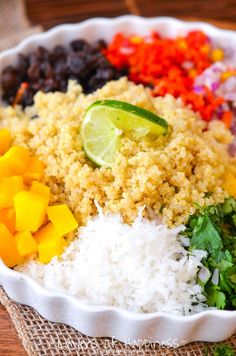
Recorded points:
(205, 235)
(215, 298)
(213, 229)
(224, 350)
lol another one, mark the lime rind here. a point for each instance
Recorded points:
(132, 110)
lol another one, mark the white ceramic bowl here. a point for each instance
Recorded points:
(97, 321)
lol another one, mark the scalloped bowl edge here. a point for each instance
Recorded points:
(105, 321)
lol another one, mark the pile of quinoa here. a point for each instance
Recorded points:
(168, 174)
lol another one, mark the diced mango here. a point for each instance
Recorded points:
(7, 217)
(30, 210)
(8, 249)
(50, 248)
(5, 140)
(4, 171)
(9, 186)
(34, 170)
(62, 218)
(41, 189)
(230, 184)
(25, 243)
(45, 233)
(22, 212)
(16, 159)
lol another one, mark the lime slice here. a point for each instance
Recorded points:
(105, 121)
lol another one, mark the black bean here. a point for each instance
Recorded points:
(59, 52)
(62, 85)
(47, 70)
(49, 85)
(76, 62)
(10, 79)
(95, 83)
(8, 97)
(50, 70)
(105, 74)
(41, 53)
(62, 69)
(121, 73)
(23, 64)
(33, 59)
(27, 97)
(34, 72)
(100, 44)
(79, 45)
(102, 62)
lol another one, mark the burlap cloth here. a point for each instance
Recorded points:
(14, 25)
(40, 336)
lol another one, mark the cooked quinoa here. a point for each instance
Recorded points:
(168, 174)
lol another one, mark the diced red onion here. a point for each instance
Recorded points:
(215, 86)
(216, 70)
(232, 146)
(230, 96)
(233, 125)
(198, 89)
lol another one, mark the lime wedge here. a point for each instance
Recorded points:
(105, 121)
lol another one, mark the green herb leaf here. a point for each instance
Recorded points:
(234, 219)
(205, 236)
(216, 298)
(224, 350)
(221, 260)
(229, 206)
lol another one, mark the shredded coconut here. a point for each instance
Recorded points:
(141, 267)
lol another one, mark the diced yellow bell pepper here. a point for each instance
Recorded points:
(25, 243)
(45, 233)
(30, 210)
(34, 170)
(41, 189)
(16, 159)
(7, 217)
(8, 249)
(62, 218)
(217, 55)
(9, 186)
(226, 75)
(5, 140)
(51, 247)
(230, 184)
